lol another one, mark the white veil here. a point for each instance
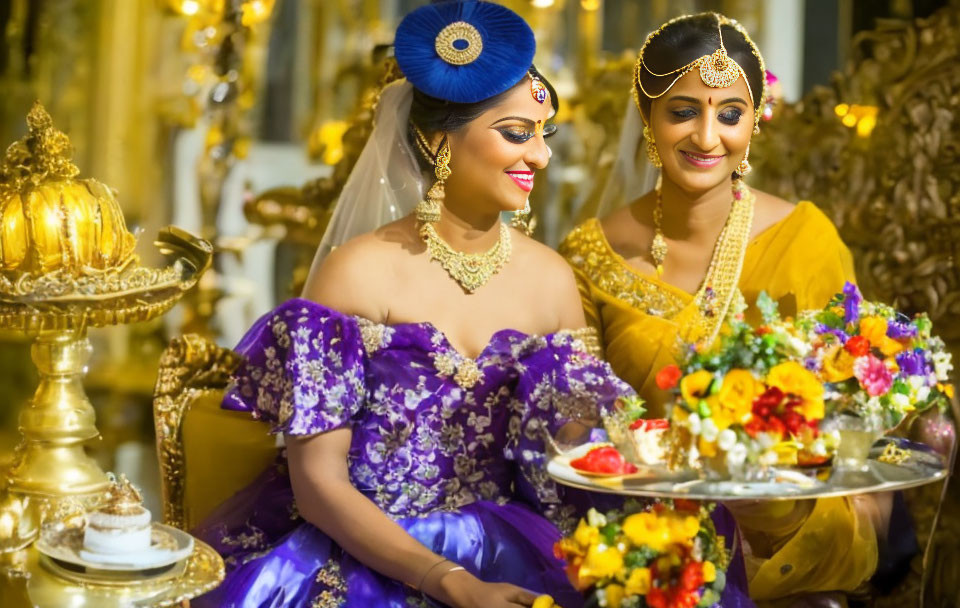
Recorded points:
(632, 174)
(385, 184)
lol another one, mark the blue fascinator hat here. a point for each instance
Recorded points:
(464, 51)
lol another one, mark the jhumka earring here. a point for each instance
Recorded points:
(744, 167)
(521, 220)
(652, 152)
(428, 210)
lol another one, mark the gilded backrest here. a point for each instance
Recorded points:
(206, 453)
(878, 151)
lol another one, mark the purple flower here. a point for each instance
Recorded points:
(811, 364)
(913, 363)
(901, 329)
(839, 334)
(851, 303)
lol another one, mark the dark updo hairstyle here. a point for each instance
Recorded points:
(687, 39)
(432, 115)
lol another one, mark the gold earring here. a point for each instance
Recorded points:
(652, 153)
(428, 210)
(521, 220)
(744, 167)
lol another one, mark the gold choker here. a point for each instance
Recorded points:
(470, 270)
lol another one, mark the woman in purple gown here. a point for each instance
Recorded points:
(413, 422)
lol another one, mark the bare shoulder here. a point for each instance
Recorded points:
(551, 278)
(356, 276)
(769, 210)
(542, 262)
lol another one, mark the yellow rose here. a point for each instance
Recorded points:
(736, 396)
(585, 534)
(615, 594)
(693, 387)
(647, 529)
(890, 347)
(683, 528)
(837, 364)
(709, 572)
(639, 582)
(601, 564)
(874, 329)
(794, 379)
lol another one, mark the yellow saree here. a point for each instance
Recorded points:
(801, 262)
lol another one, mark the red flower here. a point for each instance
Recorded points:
(686, 505)
(657, 598)
(668, 377)
(692, 576)
(762, 331)
(858, 346)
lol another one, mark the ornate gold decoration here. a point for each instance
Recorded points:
(67, 264)
(891, 188)
(189, 366)
(459, 31)
(428, 210)
(717, 70)
(121, 497)
(470, 270)
(523, 220)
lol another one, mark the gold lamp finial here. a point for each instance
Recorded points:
(42, 155)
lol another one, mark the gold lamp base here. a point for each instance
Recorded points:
(57, 422)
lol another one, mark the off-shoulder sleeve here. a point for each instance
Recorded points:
(561, 382)
(303, 369)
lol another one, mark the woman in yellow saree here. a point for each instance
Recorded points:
(664, 271)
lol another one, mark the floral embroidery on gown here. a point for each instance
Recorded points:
(451, 448)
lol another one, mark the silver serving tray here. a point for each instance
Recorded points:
(922, 466)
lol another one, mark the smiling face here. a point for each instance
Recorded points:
(493, 158)
(702, 133)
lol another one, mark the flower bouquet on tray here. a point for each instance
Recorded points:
(878, 367)
(663, 554)
(747, 403)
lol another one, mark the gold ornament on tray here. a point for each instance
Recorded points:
(67, 263)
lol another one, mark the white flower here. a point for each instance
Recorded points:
(709, 430)
(766, 440)
(942, 365)
(737, 455)
(819, 448)
(693, 423)
(901, 401)
(596, 519)
(726, 440)
(801, 347)
(768, 458)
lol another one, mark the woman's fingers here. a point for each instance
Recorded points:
(519, 595)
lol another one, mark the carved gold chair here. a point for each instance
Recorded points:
(206, 453)
(878, 151)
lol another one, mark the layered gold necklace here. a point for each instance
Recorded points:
(720, 285)
(470, 270)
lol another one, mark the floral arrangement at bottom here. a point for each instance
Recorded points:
(747, 402)
(663, 554)
(876, 363)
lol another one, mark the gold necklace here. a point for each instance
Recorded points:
(470, 270)
(720, 286)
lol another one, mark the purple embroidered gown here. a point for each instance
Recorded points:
(450, 448)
